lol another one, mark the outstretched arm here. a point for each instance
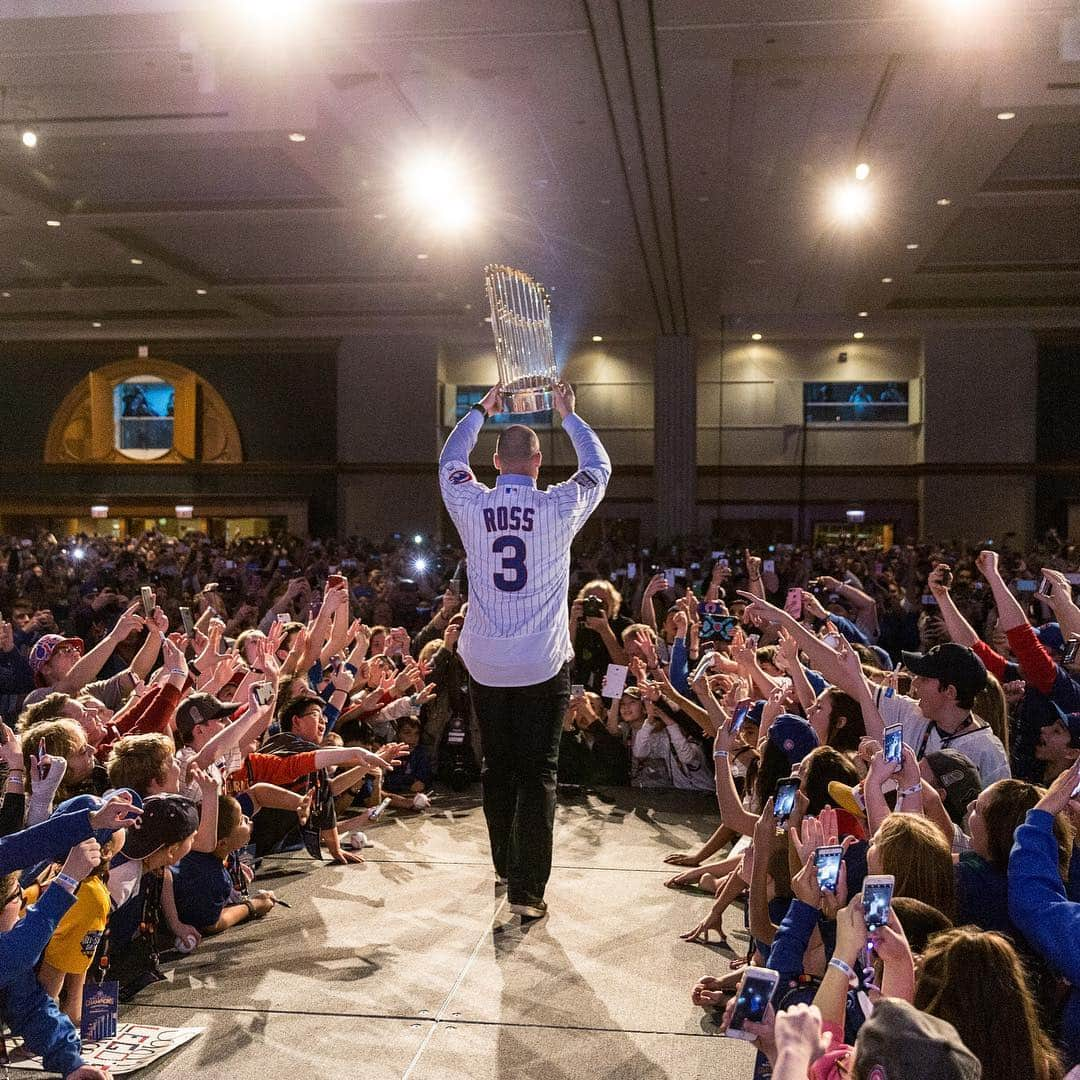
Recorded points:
(463, 438)
(591, 455)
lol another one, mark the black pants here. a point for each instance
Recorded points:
(520, 728)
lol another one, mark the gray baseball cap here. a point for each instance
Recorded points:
(900, 1042)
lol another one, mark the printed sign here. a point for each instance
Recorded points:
(134, 1047)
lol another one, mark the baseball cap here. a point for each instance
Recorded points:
(166, 819)
(92, 804)
(1050, 635)
(46, 645)
(899, 1041)
(793, 736)
(950, 663)
(960, 778)
(199, 709)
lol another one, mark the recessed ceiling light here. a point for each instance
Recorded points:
(858, 335)
(703, 198)
(911, 247)
(423, 255)
(468, 307)
(135, 262)
(379, 217)
(944, 202)
(487, 318)
(755, 336)
(96, 325)
(6, 296)
(200, 292)
(29, 138)
(1006, 115)
(862, 171)
(297, 136)
(605, 202)
(863, 314)
(53, 223)
(886, 281)
(597, 337)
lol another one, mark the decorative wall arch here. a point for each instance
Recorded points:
(83, 430)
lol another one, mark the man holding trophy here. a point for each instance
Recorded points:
(516, 639)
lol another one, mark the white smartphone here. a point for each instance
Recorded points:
(189, 624)
(577, 690)
(149, 601)
(615, 680)
(877, 893)
(755, 993)
(827, 862)
(263, 692)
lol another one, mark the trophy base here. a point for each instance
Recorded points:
(528, 399)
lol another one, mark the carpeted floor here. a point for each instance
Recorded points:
(412, 966)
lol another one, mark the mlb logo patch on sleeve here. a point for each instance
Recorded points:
(585, 479)
(460, 476)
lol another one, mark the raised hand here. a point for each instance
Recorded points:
(492, 402)
(10, 749)
(82, 859)
(564, 399)
(987, 562)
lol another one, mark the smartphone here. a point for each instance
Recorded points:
(827, 861)
(738, 717)
(928, 600)
(615, 680)
(755, 992)
(1072, 648)
(793, 603)
(704, 664)
(1046, 587)
(768, 566)
(832, 640)
(631, 571)
(230, 564)
(1025, 586)
(784, 799)
(376, 812)
(189, 623)
(894, 745)
(263, 692)
(148, 600)
(877, 892)
(577, 690)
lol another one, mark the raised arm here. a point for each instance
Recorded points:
(591, 455)
(1010, 613)
(92, 662)
(959, 629)
(1061, 603)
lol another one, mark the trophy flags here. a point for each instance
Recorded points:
(521, 323)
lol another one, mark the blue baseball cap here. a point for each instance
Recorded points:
(92, 803)
(793, 736)
(1050, 635)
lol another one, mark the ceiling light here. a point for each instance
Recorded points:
(379, 217)
(912, 247)
(29, 138)
(297, 136)
(755, 336)
(858, 335)
(862, 171)
(435, 185)
(597, 337)
(200, 292)
(6, 295)
(850, 202)
(53, 223)
(135, 262)
(863, 314)
(944, 202)
(96, 325)
(886, 281)
(1006, 115)
(423, 255)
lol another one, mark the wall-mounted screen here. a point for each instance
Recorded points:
(143, 415)
(855, 402)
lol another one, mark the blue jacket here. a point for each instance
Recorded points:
(51, 840)
(24, 1005)
(1043, 913)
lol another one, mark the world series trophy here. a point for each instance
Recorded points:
(521, 322)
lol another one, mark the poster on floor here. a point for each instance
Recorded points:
(135, 1047)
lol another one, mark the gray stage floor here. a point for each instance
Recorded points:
(411, 966)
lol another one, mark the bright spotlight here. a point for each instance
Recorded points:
(420, 565)
(29, 138)
(277, 11)
(434, 186)
(850, 202)
(77, 553)
(862, 171)
(418, 539)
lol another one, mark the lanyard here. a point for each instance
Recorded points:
(946, 739)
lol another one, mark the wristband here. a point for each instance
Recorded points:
(913, 790)
(717, 754)
(480, 409)
(66, 882)
(250, 906)
(177, 671)
(841, 966)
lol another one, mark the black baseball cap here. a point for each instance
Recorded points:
(960, 778)
(199, 709)
(166, 819)
(952, 664)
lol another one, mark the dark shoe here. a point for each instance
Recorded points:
(535, 909)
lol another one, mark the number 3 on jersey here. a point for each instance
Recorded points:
(513, 573)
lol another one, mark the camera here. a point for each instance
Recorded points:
(457, 763)
(592, 607)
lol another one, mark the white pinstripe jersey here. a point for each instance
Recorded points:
(517, 541)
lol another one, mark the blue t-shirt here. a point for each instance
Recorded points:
(201, 886)
(417, 766)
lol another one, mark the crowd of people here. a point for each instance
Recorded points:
(177, 709)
